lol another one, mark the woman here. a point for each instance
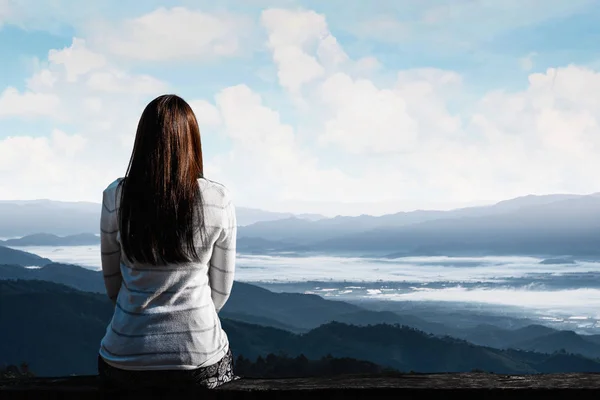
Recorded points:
(168, 240)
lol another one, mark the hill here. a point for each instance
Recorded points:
(566, 227)
(303, 232)
(21, 218)
(303, 311)
(54, 328)
(47, 239)
(494, 336)
(25, 217)
(244, 245)
(551, 225)
(295, 312)
(568, 341)
(70, 275)
(298, 313)
(22, 258)
(64, 326)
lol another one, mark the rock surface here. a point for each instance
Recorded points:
(341, 387)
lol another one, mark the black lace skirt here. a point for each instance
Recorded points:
(208, 377)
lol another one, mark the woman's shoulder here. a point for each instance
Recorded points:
(113, 185)
(109, 195)
(214, 192)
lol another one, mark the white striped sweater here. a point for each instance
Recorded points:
(166, 316)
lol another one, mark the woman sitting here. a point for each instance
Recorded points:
(168, 240)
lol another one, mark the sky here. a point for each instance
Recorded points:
(339, 107)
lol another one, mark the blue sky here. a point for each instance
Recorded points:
(309, 106)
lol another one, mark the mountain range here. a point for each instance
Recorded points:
(554, 225)
(23, 258)
(48, 239)
(26, 217)
(57, 330)
(546, 226)
(299, 313)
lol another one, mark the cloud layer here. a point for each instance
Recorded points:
(337, 125)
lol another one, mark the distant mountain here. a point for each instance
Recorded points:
(304, 311)
(21, 218)
(368, 317)
(262, 321)
(64, 326)
(299, 313)
(534, 201)
(47, 239)
(566, 227)
(551, 225)
(303, 232)
(250, 245)
(26, 217)
(537, 338)
(246, 216)
(244, 245)
(494, 336)
(295, 312)
(568, 341)
(22, 258)
(309, 216)
(56, 329)
(70, 275)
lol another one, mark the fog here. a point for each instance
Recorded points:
(566, 289)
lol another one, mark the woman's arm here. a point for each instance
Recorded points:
(222, 262)
(110, 248)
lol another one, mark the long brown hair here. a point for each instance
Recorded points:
(161, 208)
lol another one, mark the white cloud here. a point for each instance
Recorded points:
(362, 118)
(52, 91)
(269, 163)
(53, 167)
(292, 34)
(539, 140)
(173, 34)
(366, 119)
(407, 138)
(92, 91)
(77, 59)
(41, 80)
(69, 145)
(75, 89)
(116, 81)
(542, 139)
(206, 113)
(28, 104)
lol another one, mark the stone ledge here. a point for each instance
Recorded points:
(340, 387)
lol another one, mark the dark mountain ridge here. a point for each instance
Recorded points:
(48, 239)
(24, 217)
(74, 322)
(565, 227)
(22, 258)
(307, 232)
(550, 225)
(299, 313)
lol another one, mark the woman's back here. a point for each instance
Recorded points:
(166, 315)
